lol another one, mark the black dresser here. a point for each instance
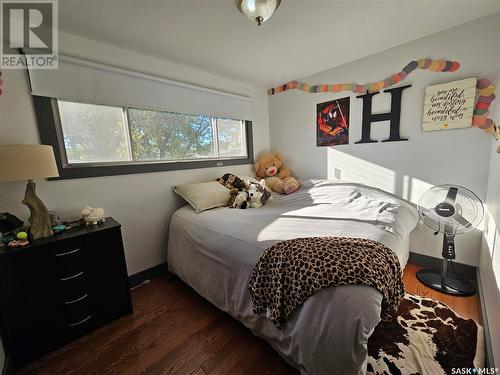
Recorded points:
(60, 288)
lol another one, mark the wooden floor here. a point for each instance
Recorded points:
(175, 331)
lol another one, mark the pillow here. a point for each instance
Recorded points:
(204, 195)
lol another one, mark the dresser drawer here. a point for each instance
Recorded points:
(31, 317)
(69, 261)
(77, 311)
(25, 268)
(61, 288)
(73, 287)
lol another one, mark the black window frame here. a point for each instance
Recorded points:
(50, 134)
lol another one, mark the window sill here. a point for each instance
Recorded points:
(115, 170)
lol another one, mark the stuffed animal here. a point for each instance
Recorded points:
(258, 194)
(231, 181)
(93, 216)
(278, 177)
(238, 199)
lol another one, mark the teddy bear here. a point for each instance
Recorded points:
(278, 177)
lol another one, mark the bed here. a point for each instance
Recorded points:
(214, 252)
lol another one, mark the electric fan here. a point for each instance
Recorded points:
(451, 210)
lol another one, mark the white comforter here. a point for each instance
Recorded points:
(215, 251)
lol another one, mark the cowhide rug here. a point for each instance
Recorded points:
(426, 337)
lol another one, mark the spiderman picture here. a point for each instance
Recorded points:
(332, 123)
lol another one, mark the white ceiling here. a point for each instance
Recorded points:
(302, 38)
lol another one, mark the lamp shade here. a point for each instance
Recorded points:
(27, 162)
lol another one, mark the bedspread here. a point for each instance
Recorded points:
(215, 251)
(291, 271)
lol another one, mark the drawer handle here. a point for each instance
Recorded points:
(72, 276)
(76, 300)
(80, 322)
(66, 253)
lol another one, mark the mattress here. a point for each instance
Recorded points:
(214, 252)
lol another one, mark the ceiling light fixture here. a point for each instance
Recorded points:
(258, 10)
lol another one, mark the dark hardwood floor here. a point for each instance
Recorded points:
(467, 307)
(175, 331)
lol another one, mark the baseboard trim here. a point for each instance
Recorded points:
(426, 261)
(489, 361)
(149, 274)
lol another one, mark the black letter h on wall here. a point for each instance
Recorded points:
(393, 116)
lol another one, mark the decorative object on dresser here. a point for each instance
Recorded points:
(72, 222)
(93, 216)
(449, 209)
(9, 222)
(60, 288)
(29, 162)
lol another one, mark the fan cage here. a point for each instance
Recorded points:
(467, 204)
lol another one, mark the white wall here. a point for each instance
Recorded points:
(489, 265)
(404, 168)
(142, 203)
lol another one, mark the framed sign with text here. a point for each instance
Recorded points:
(449, 105)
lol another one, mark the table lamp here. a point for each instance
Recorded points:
(29, 162)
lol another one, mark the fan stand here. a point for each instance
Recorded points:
(444, 282)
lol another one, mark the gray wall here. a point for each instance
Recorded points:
(142, 203)
(405, 168)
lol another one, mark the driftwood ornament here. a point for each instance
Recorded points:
(39, 215)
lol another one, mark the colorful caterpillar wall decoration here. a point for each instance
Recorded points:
(425, 64)
(485, 95)
(485, 90)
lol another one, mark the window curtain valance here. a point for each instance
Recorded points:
(86, 81)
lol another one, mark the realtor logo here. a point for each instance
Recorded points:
(32, 27)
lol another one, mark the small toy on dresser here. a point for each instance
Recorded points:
(93, 216)
(72, 222)
(20, 241)
(55, 220)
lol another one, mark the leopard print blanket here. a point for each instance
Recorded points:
(291, 271)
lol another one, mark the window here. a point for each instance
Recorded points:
(93, 133)
(171, 136)
(96, 134)
(97, 140)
